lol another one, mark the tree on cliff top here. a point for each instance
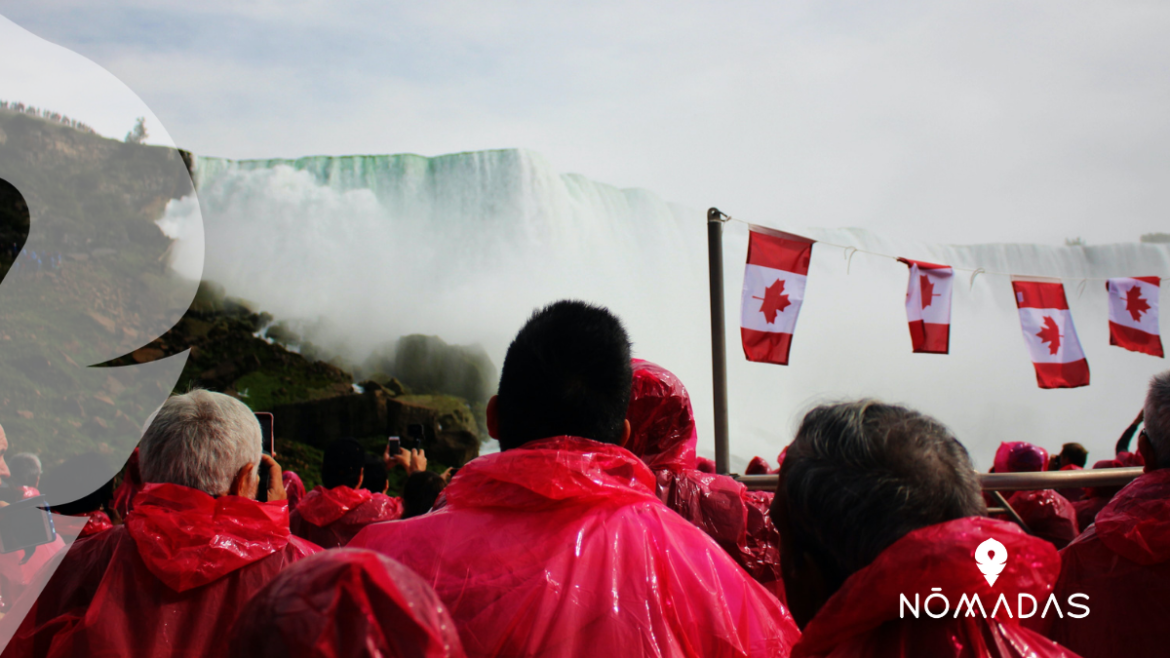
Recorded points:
(139, 134)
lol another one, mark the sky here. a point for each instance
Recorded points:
(926, 124)
(940, 122)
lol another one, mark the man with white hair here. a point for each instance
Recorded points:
(196, 547)
(1122, 562)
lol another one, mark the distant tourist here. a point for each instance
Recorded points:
(1122, 562)
(663, 434)
(25, 469)
(330, 515)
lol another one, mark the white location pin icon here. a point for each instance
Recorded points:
(991, 556)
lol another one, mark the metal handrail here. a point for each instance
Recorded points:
(1102, 477)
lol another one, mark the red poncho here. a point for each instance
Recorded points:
(131, 484)
(15, 577)
(662, 433)
(331, 517)
(346, 603)
(1048, 515)
(1123, 564)
(863, 618)
(169, 582)
(294, 489)
(97, 522)
(560, 548)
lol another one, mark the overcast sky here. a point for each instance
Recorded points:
(951, 122)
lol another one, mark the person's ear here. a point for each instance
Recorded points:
(1147, 452)
(493, 417)
(246, 482)
(625, 433)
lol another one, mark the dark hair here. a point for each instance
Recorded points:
(420, 493)
(1073, 453)
(25, 469)
(342, 464)
(567, 372)
(860, 475)
(59, 484)
(374, 474)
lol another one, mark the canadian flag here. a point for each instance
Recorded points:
(928, 306)
(1133, 314)
(1049, 333)
(773, 288)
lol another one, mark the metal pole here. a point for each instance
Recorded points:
(1098, 477)
(1010, 512)
(715, 221)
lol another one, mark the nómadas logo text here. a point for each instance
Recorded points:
(991, 557)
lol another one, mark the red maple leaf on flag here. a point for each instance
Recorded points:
(1135, 304)
(1050, 334)
(928, 294)
(775, 301)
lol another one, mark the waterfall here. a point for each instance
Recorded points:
(465, 246)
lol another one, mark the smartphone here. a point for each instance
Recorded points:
(266, 420)
(395, 444)
(26, 524)
(414, 436)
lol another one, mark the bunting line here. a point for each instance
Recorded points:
(851, 250)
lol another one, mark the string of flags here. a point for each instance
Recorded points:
(777, 269)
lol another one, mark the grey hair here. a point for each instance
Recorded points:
(860, 475)
(1157, 418)
(25, 469)
(200, 440)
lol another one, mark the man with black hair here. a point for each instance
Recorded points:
(330, 515)
(551, 386)
(558, 545)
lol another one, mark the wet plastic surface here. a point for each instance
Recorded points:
(662, 424)
(331, 517)
(561, 548)
(294, 489)
(170, 582)
(346, 603)
(1123, 564)
(1020, 457)
(862, 619)
(1047, 514)
(98, 522)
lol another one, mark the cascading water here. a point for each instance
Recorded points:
(465, 246)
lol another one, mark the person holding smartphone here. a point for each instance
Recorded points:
(332, 514)
(196, 547)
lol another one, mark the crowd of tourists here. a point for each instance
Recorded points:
(597, 531)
